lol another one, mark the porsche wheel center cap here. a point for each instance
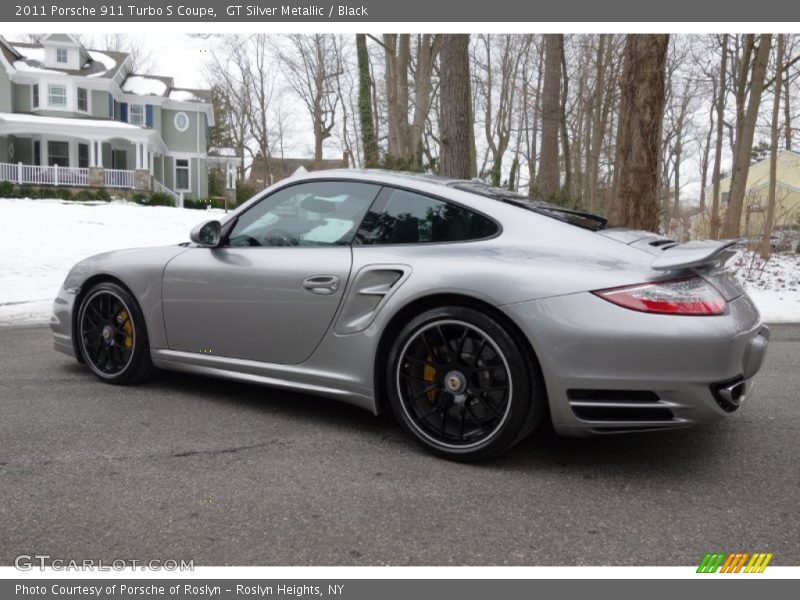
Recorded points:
(455, 382)
(108, 334)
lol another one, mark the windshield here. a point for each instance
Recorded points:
(573, 217)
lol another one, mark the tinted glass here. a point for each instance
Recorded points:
(402, 217)
(310, 214)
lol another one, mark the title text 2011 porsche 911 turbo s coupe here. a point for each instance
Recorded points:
(472, 313)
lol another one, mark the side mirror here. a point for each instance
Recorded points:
(207, 234)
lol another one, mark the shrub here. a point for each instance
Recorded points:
(216, 182)
(102, 194)
(161, 199)
(6, 189)
(245, 191)
(197, 204)
(26, 191)
(84, 195)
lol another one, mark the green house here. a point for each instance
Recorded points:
(73, 116)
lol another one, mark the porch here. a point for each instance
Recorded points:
(83, 153)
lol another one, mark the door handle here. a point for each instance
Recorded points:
(321, 284)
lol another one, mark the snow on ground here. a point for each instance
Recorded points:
(773, 285)
(42, 239)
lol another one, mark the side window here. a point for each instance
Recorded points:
(321, 213)
(401, 217)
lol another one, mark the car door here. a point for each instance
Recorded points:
(271, 290)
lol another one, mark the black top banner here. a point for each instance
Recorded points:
(458, 11)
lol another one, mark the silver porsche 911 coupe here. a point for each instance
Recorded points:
(472, 313)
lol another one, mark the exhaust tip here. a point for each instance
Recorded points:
(730, 394)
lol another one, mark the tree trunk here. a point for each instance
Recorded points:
(769, 219)
(643, 98)
(368, 137)
(567, 189)
(549, 173)
(597, 126)
(533, 126)
(456, 99)
(787, 113)
(744, 143)
(717, 173)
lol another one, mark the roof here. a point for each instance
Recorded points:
(30, 57)
(100, 129)
(225, 152)
(100, 64)
(190, 95)
(10, 54)
(147, 85)
(64, 121)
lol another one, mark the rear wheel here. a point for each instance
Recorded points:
(461, 385)
(111, 335)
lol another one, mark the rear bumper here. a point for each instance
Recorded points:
(610, 370)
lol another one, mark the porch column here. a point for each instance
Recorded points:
(97, 176)
(150, 162)
(142, 176)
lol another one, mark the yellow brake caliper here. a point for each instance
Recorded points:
(127, 327)
(429, 375)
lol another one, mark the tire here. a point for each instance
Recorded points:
(461, 385)
(112, 337)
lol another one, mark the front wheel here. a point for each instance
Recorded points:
(461, 385)
(112, 337)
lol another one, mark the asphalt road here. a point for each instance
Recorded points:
(232, 474)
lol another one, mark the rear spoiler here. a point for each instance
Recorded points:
(695, 254)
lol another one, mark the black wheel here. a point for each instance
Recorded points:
(461, 385)
(111, 335)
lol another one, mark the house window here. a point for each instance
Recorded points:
(181, 121)
(57, 95)
(182, 174)
(61, 55)
(83, 100)
(136, 114)
(35, 93)
(58, 154)
(83, 156)
(37, 152)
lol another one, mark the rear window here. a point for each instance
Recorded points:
(573, 217)
(403, 217)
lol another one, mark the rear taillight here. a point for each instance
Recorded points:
(687, 296)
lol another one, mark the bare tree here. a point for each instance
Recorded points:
(456, 156)
(531, 105)
(404, 136)
(311, 65)
(745, 131)
(549, 171)
(717, 173)
(769, 219)
(641, 115)
(226, 78)
(140, 56)
(366, 118)
(497, 82)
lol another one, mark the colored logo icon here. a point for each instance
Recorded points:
(734, 562)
